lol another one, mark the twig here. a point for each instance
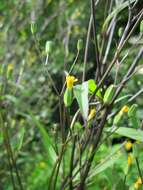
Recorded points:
(86, 48)
(98, 66)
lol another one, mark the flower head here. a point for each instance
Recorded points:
(124, 109)
(128, 145)
(91, 114)
(138, 183)
(130, 159)
(70, 80)
(10, 67)
(42, 165)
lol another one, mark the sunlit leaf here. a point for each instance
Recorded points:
(81, 95)
(47, 141)
(128, 132)
(92, 87)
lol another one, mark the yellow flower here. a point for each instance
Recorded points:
(139, 181)
(91, 114)
(70, 80)
(130, 159)
(124, 109)
(136, 185)
(42, 165)
(10, 67)
(128, 145)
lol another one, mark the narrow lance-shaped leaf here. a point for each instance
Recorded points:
(81, 95)
(47, 141)
(127, 132)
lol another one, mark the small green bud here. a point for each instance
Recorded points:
(68, 97)
(49, 47)
(120, 31)
(132, 110)
(141, 26)
(79, 44)
(33, 27)
(109, 94)
(117, 118)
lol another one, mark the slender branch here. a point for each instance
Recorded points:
(10, 153)
(45, 69)
(119, 49)
(110, 40)
(71, 162)
(98, 66)
(86, 48)
(97, 139)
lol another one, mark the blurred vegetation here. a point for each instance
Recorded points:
(29, 104)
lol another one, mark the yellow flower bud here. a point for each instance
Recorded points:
(124, 109)
(10, 67)
(130, 159)
(128, 145)
(70, 80)
(139, 181)
(42, 165)
(136, 185)
(91, 114)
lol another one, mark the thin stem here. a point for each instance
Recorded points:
(71, 162)
(97, 139)
(98, 66)
(86, 48)
(139, 169)
(119, 49)
(42, 61)
(10, 153)
(110, 40)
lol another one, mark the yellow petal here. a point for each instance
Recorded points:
(128, 145)
(91, 114)
(125, 109)
(130, 159)
(70, 80)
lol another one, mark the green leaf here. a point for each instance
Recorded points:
(108, 161)
(20, 138)
(121, 185)
(132, 111)
(109, 93)
(77, 126)
(136, 150)
(117, 118)
(141, 26)
(68, 97)
(81, 95)
(47, 142)
(127, 132)
(92, 87)
(134, 121)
